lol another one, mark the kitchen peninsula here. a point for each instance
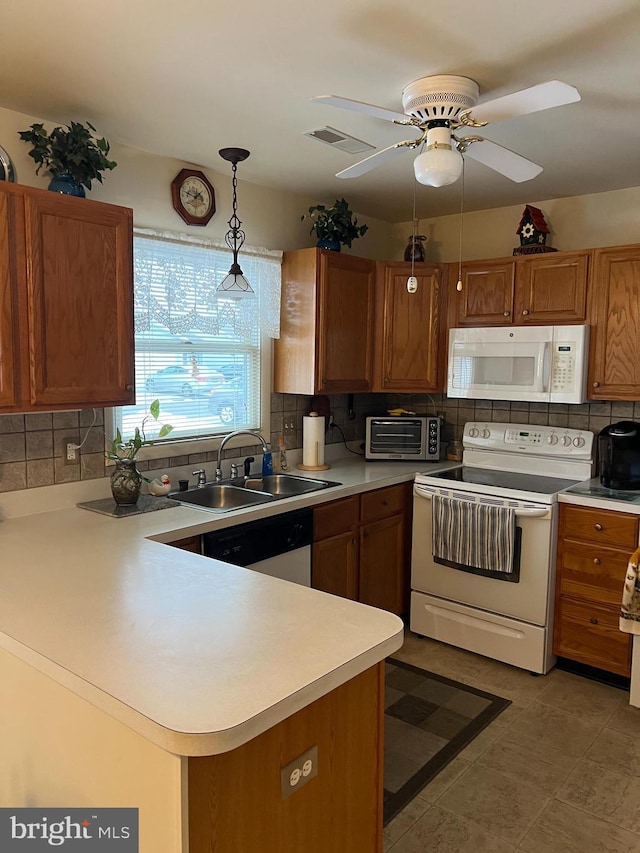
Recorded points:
(135, 674)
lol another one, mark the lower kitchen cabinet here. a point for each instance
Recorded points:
(594, 546)
(361, 548)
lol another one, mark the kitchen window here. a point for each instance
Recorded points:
(206, 358)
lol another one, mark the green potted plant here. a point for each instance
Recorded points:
(335, 225)
(126, 480)
(71, 155)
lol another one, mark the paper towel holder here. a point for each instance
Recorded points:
(302, 467)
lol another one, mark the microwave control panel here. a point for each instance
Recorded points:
(563, 367)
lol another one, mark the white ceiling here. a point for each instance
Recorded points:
(184, 79)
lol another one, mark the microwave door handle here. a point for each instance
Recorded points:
(542, 367)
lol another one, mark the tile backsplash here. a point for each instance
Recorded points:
(32, 446)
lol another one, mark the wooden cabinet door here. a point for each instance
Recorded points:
(487, 294)
(407, 328)
(384, 573)
(590, 634)
(614, 297)
(345, 323)
(334, 565)
(552, 288)
(10, 292)
(190, 543)
(80, 293)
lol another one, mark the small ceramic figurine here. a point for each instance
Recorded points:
(160, 487)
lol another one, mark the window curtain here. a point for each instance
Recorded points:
(175, 285)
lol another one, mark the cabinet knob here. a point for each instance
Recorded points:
(386, 380)
(593, 620)
(598, 526)
(129, 388)
(596, 561)
(506, 313)
(596, 384)
(525, 312)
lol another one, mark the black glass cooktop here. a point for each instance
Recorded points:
(516, 481)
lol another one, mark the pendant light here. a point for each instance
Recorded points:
(235, 285)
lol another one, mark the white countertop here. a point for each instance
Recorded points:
(196, 655)
(601, 498)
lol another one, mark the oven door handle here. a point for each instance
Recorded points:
(543, 512)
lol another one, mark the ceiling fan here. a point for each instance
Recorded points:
(439, 105)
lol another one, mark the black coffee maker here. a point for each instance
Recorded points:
(619, 455)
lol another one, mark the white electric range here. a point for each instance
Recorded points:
(505, 615)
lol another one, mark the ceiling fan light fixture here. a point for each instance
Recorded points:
(440, 164)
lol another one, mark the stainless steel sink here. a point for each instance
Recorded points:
(288, 485)
(222, 497)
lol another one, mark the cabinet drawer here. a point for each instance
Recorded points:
(190, 543)
(334, 518)
(382, 503)
(590, 634)
(592, 571)
(600, 525)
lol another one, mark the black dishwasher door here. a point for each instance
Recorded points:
(254, 541)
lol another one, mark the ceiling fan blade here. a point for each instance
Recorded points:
(500, 159)
(532, 100)
(375, 160)
(361, 107)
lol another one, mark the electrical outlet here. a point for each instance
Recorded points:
(299, 771)
(289, 425)
(71, 454)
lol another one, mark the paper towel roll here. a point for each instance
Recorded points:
(312, 441)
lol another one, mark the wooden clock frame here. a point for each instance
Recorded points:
(177, 182)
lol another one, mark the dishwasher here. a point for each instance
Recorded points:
(279, 546)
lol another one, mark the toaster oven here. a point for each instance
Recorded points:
(405, 438)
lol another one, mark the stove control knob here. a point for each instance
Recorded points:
(578, 441)
(553, 439)
(473, 432)
(485, 433)
(565, 441)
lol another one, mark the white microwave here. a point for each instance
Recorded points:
(546, 364)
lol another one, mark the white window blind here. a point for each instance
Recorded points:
(196, 352)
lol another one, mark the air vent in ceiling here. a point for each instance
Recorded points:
(338, 139)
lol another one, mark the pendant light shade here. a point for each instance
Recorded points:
(235, 285)
(441, 163)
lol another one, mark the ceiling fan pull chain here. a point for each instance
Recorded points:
(459, 284)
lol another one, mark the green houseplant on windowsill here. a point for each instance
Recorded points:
(126, 480)
(334, 226)
(72, 155)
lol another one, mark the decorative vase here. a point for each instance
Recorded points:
(327, 243)
(125, 482)
(414, 250)
(66, 185)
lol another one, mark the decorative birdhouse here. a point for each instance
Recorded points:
(533, 232)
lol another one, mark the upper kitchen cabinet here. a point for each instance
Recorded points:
(614, 300)
(551, 288)
(487, 294)
(407, 328)
(66, 298)
(538, 290)
(326, 324)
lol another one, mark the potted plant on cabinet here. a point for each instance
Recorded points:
(334, 226)
(126, 479)
(72, 155)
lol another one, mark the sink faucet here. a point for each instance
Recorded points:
(231, 435)
(202, 477)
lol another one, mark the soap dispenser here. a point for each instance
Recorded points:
(267, 462)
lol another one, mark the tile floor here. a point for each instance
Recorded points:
(557, 772)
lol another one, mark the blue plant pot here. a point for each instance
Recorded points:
(326, 243)
(66, 185)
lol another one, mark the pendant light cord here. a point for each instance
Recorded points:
(413, 234)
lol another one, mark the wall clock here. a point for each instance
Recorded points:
(193, 197)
